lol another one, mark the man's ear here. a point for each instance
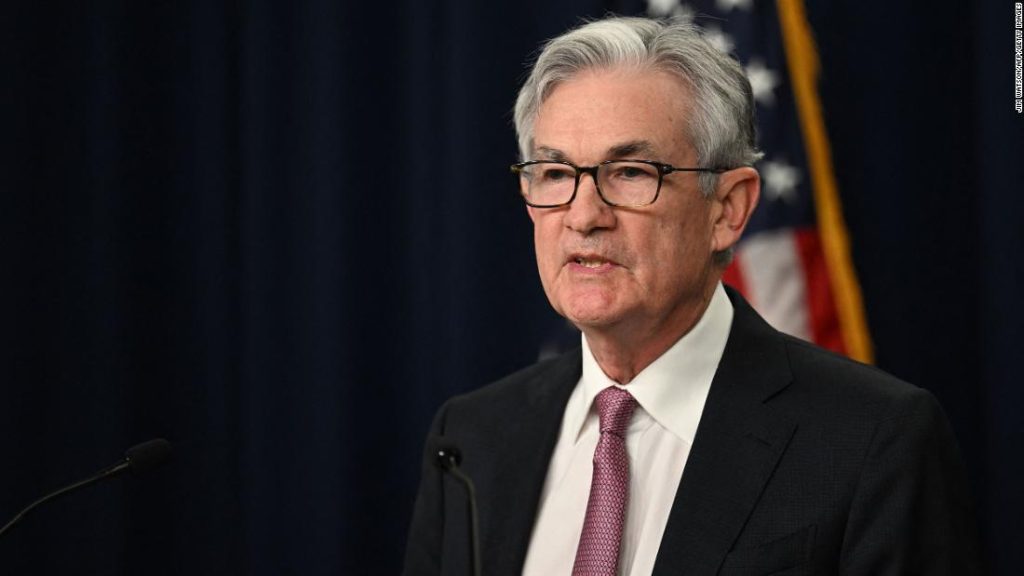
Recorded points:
(735, 198)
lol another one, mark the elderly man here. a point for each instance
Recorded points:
(685, 436)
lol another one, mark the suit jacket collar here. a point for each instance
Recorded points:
(523, 466)
(738, 443)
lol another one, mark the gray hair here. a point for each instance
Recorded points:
(721, 122)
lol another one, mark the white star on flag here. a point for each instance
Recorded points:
(669, 7)
(762, 81)
(727, 5)
(720, 40)
(780, 180)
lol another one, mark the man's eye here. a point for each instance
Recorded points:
(556, 174)
(632, 172)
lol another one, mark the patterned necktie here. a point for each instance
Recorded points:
(598, 552)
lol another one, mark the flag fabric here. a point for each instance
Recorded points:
(793, 263)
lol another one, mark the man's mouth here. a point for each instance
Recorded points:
(590, 262)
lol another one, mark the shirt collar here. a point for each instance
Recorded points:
(673, 388)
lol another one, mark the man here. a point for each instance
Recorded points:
(686, 436)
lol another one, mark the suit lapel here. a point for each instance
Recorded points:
(519, 478)
(737, 445)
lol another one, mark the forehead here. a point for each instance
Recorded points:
(593, 115)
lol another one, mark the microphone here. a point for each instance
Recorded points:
(138, 459)
(447, 458)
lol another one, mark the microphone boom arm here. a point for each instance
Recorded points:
(137, 458)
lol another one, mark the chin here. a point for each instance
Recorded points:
(590, 307)
(590, 317)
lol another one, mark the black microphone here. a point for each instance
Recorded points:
(139, 458)
(448, 457)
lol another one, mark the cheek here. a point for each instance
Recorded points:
(676, 253)
(545, 243)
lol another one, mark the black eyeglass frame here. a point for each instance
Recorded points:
(663, 169)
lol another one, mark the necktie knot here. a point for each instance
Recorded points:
(615, 409)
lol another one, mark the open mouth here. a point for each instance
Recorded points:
(590, 262)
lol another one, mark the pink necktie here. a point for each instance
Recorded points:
(598, 552)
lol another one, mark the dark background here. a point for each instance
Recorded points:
(280, 234)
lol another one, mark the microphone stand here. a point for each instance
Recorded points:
(448, 458)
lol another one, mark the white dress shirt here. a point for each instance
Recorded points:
(671, 393)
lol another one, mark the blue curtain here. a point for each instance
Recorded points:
(281, 234)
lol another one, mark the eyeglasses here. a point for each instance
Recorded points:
(623, 183)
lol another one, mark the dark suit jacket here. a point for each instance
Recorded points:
(804, 462)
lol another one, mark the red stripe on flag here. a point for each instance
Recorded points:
(824, 319)
(733, 276)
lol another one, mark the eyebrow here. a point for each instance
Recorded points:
(624, 150)
(632, 148)
(545, 153)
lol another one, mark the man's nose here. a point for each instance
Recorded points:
(588, 211)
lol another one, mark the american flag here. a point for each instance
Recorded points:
(793, 264)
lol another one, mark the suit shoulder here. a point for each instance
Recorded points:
(836, 374)
(533, 379)
(860, 405)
